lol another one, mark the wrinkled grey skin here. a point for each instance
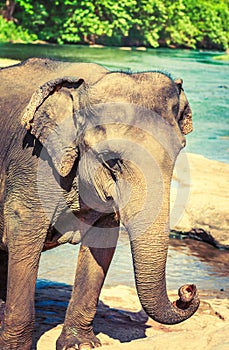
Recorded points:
(91, 174)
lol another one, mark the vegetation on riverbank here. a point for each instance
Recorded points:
(152, 23)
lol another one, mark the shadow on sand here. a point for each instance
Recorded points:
(51, 302)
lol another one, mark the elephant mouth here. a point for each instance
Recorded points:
(187, 294)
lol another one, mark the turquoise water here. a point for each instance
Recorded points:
(188, 262)
(206, 83)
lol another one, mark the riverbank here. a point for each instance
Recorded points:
(121, 324)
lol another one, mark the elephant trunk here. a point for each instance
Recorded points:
(148, 229)
(149, 253)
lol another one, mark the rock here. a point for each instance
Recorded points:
(140, 48)
(121, 324)
(199, 199)
(97, 46)
(125, 48)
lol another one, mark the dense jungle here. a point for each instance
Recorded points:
(152, 23)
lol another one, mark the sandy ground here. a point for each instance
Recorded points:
(121, 324)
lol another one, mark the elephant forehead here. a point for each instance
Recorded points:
(114, 120)
(150, 90)
(121, 139)
(116, 124)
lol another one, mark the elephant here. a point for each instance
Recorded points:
(83, 151)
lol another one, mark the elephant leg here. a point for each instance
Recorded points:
(24, 249)
(3, 274)
(92, 267)
(19, 316)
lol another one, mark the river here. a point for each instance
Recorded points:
(206, 83)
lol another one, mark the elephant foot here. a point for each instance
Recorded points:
(72, 342)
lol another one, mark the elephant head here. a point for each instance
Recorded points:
(126, 131)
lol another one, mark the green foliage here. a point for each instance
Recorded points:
(179, 29)
(175, 23)
(211, 22)
(9, 31)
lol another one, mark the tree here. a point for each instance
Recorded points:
(173, 23)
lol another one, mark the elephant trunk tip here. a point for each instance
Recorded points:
(188, 298)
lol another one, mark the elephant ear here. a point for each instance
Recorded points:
(184, 116)
(51, 117)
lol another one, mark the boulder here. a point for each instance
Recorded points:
(199, 197)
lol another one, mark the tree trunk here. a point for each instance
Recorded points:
(8, 10)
